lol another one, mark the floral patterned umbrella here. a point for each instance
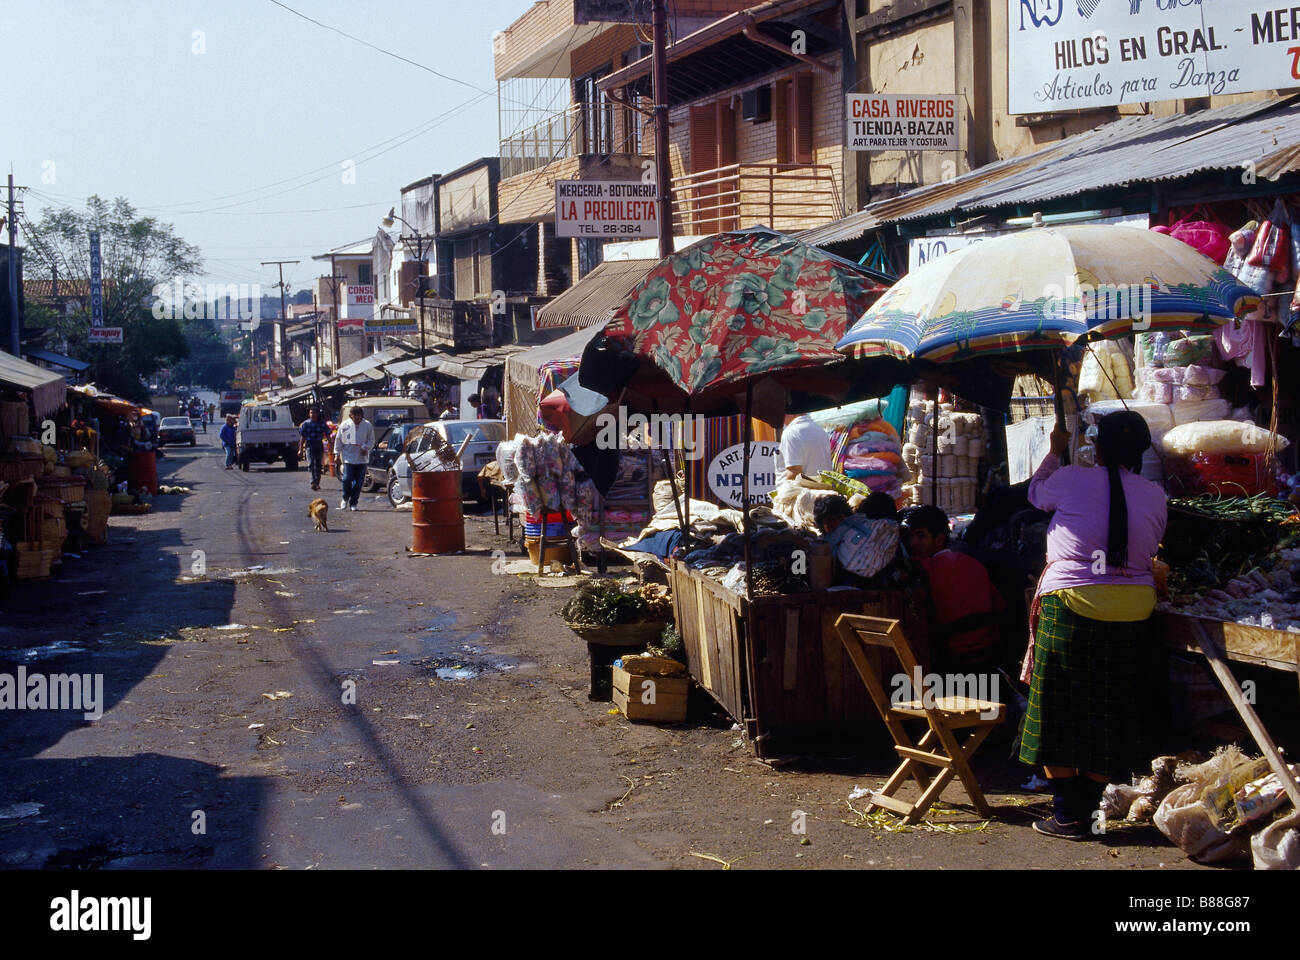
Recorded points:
(739, 305)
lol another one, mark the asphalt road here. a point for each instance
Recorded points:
(278, 697)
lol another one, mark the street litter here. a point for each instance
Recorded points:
(278, 695)
(18, 810)
(231, 626)
(384, 663)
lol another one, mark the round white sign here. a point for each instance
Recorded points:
(726, 473)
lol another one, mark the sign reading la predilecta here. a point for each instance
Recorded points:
(609, 209)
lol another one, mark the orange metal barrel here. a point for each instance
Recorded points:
(437, 522)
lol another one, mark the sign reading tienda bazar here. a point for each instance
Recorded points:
(1075, 54)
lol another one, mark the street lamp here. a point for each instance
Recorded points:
(387, 222)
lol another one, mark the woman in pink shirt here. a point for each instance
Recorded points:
(1092, 608)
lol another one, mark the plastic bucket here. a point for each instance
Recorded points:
(437, 522)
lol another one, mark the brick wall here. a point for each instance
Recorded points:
(756, 143)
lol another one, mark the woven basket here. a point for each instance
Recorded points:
(132, 509)
(34, 561)
(620, 635)
(14, 469)
(67, 489)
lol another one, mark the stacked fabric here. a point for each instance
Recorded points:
(874, 457)
(1177, 379)
(557, 524)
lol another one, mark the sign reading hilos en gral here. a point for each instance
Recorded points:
(902, 121)
(619, 209)
(1073, 54)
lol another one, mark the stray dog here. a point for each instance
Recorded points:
(319, 511)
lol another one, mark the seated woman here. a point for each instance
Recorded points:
(864, 548)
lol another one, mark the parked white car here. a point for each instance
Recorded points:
(483, 435)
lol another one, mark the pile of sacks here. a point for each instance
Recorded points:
(1228, 807)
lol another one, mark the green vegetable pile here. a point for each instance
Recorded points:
(604, 603)
(1211, 539)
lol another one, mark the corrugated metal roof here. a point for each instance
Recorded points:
(588, 302)
(1131, 150)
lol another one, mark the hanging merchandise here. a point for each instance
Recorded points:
(1206, 234)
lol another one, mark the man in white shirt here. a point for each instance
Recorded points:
(353, 441)
(805, 448)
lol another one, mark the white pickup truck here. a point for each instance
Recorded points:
(266, 434)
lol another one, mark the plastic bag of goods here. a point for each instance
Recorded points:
(1157, 415)
(1199, 392)
(1193, 411)
(1197, 375)
(1155, 392)
(1277, 846)
(1221, 437)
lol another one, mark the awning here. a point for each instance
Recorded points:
(725, 52)
(1129, 151)
(58, 359)
(588, 302)
(47, 388)
(370, 367)
(108, 401)
(470, 365)
(523, 376)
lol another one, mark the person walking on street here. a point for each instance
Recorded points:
(228, 437)
(312, 441)
(352, 445)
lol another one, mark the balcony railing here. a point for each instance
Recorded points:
(783, 196)
(457, 323)
(579, 130)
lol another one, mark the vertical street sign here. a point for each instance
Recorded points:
(96, 284)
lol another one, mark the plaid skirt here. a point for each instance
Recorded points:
(1084, 707)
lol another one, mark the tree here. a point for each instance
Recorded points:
(210, 362)
(136, 254)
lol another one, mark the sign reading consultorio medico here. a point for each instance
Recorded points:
(1071, 54)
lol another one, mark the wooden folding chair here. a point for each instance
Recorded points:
(939, 747)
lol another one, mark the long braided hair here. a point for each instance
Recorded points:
(1122, 438)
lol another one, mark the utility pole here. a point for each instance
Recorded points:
(663, 168)
(334, 278)
(315, 316)
(284, 321)
(15, 346)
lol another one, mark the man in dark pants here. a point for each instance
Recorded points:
(312, 442)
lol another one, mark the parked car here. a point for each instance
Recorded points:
(176, 430)
(385, 452)
(484, 435)
(266, 434)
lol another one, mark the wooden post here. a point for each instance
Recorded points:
(1214, 653)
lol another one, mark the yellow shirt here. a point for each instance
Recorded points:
(1112, 603)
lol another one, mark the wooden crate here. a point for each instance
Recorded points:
(789, 680)
(34, 560)
(669, 695)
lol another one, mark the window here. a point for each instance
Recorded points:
(597, 113)
(263, 415)
(792, 108)
(363, 274)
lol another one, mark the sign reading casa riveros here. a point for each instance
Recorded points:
(901, 121)
(1070, 54)
(606, 208)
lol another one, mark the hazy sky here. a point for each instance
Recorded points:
(241, 146)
